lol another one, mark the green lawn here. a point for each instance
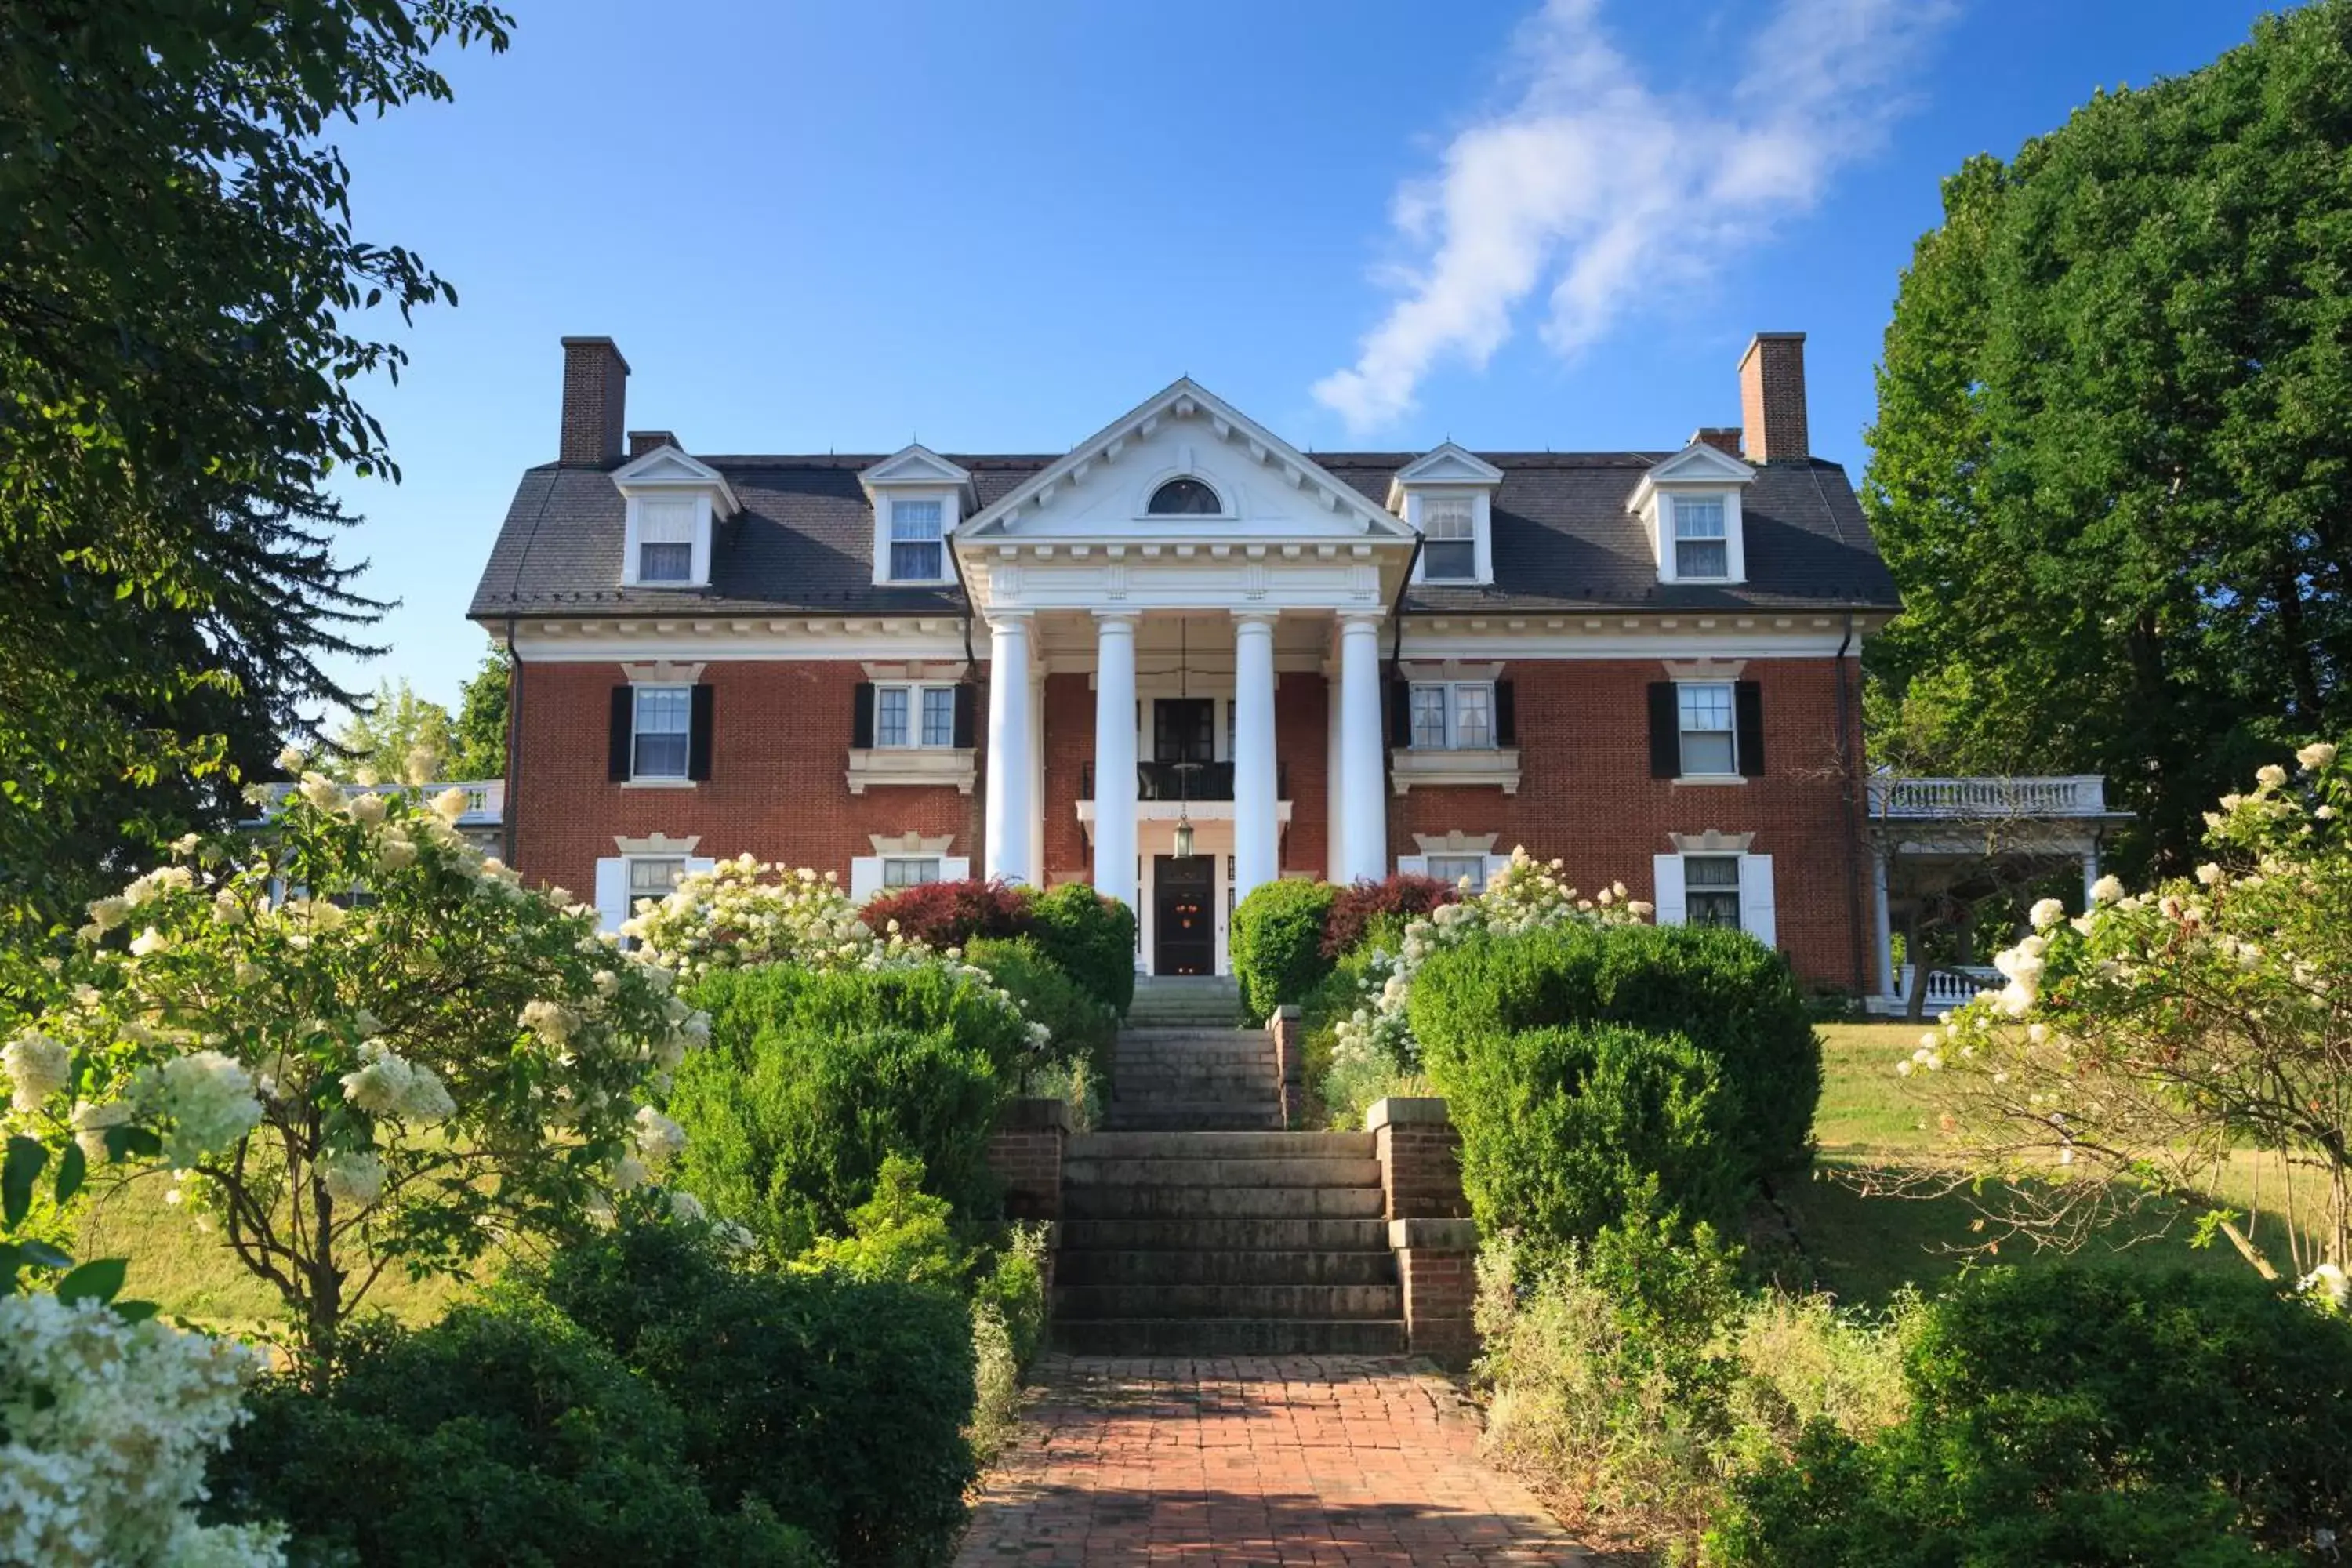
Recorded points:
(1866, 1248)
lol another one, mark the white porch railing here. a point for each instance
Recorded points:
(1946, 988)
(1989, 798)
(485, 799)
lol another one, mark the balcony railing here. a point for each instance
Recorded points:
(1989, 798)
(1946, 988)
(1184, 781)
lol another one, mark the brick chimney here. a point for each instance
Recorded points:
(644, 441)
(1722, 437)
(1772, 398)
(595, 403)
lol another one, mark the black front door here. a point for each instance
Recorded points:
(1184, 920)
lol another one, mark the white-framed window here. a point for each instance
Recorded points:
(914, 715)
(909, 870)
(654, 875)
(1449, 528)
(666, 541)
(1702, 543)
(1710, 747)
(1711, 890)
(1453, 871)
(917, 546)
(659, 740)
(1454, 715)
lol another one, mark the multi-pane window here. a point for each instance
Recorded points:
(1454, 715)
(666, 541)
(1701, 549)
(1455, 869)
(652, 875)
(914, 715)
(914, 542)
(909, 870)
(1708, 747)
(1449, 528)
(1711, 890)
(665, 718)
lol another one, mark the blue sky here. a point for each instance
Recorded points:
(996, 227)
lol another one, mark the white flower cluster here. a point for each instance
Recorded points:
(108, 1425)
(353, 1180)
(207, 1098)
(386, 1084)
(1524, 896)
(38, 1068)
(744, 911)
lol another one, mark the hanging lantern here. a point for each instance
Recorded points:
(1183, 836)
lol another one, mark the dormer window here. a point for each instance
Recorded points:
(917, 542)
(666, 541)
(671, 504)
(1448, 498)
(1449, 526)
(1702, 549)
(1184, 498)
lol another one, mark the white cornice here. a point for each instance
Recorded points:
(668, 468)
(914, 465)
(1696, 464)
(1445, 464)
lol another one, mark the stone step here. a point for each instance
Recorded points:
(1082, 1267)
(1079, 1201)
(1204, 1035)
(1212, 1116)
(1328, 1302)
(1192, 1086)
(1220, 1146)
(1226, 1234)
(1227, 1337)
(1231, 1173)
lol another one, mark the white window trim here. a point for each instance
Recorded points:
(1418, 864)
(1453, 716)
(633, 536)
(1482, 532)
(1759, 910)
(1662, 533)
(914, 691)
(951, 499)
(613, 883)
(1730, 687)
(866, 870)
(685, 775)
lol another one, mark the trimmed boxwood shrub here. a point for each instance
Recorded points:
(2075, 1416)
(1091, 937)
(813, 1079)
(1082, 1027)
(502, 1435)
(1278, 944)
(840, 1403)
(951, 914)
(1729, 993)
(1358, 906)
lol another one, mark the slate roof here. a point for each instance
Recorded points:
(803, 544)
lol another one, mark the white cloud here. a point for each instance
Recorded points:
(1611, 192)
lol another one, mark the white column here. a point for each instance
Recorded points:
(1366, 833)
(1115, 756)
(1882, 968)
(1011, 745)
(1256, 834)
(1335, 787)
(2089, 876)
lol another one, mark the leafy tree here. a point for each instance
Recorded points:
(482, 729)
(182, 304)
(399, 738)
(2112, 468)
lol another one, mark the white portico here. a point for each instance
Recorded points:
(1187, 561)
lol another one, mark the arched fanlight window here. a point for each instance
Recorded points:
(1184, 498)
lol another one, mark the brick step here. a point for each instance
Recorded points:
(1193, 1086)
(1220, 1146)
(1209, 1048)
(1222, 1203)
(1227, 1337)
(1226, 1234)
(1221, 1035)
(1197, 1117)
(1242, 1173)
(1079, 1268)
(1327, 1302)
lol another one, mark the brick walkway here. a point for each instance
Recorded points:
(1352, 1460)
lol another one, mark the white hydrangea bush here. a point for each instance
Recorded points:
(2135, 1050)
(359, 1044)
(743, 912)
(1525, 895)
(105, 1429)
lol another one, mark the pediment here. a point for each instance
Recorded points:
(1700, 463)
(913, 465)
(1269, 489)
(666, 467)
(1446, 464)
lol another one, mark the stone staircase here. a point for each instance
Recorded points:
(1195, 1226)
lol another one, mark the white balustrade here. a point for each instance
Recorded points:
(1990, 797)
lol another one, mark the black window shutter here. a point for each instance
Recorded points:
(625, 723)
(1747, 713)
(965, 707)
(1400, 713)
(698, 739)
(1506, 715)
(1665, 731)
(861, 716)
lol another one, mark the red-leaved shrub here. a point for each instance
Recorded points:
(1359, 904)
(949, 914)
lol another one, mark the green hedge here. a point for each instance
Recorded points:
(841, 1404)
(1084, 1029)
(1092, 938)
(1277, 944)
(812, 1080)
(1732, 997)
(502, 1435)
(2068, 1415)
